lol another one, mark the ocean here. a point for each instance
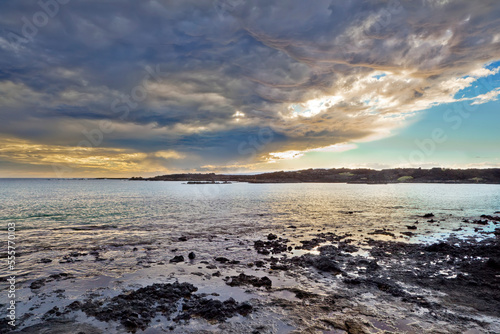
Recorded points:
(103, 231)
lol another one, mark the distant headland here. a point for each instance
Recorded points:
(345, 175)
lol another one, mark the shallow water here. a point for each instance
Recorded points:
(56, 217)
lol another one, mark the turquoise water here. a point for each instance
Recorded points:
(56, 217)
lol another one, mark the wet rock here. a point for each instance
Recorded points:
(441, 247)
(382, 232)
(37, 284)
(191, 255)
(493, 218)
(320, 262)
(259, 264)
(310, 244)
(355, 327)
(344, 247)
(53, 312)
(213, 309)
(493, 263)
(274, 246)
(177, 258)
(61, 276)
(136, 309)
(243, 279)
(76, 254)
(371, 265)
(279, 267)
(271, 236)
(76, 305)
(326, 264)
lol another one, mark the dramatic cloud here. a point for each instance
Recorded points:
(159, 86)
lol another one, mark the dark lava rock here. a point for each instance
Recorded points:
(310, 244)
(52, 312)
(411, 227)
(135, 310)
(382, 232)
(76, 254)
(271, 236)
(37, 284)
(183, 238)
(370, 265)
(428, 215)
(259, 264)
(61, 276)
(76, 305)
(271, 246)
(326, 264)
(221, 259)
(320, 262)
(177, 258)
(213, 309)
(292, 226)
(441, 247)
(243, 279)
(347, 247)
(493, 263)
(279, 267)
(494, 218)
(191, 255)
(480, 222)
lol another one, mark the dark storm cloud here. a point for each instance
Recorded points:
(217, 58)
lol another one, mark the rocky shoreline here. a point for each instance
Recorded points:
(324, 283)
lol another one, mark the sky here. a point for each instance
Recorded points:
(108, 88)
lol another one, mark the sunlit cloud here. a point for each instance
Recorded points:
(188, 88)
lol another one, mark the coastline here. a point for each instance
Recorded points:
(350, 176)
(306, 280)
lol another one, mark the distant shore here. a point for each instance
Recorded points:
(344, 175)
